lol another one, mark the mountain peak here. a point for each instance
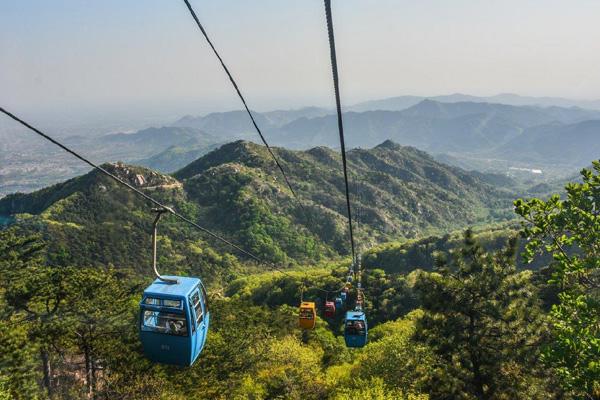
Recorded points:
(240, 151)
(389, 144)
(137, 176)
(92, 182)
(426, 107)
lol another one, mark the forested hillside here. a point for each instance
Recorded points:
(399, 192)
(194, 204)
(452, 314)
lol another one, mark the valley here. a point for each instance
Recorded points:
(464, 131)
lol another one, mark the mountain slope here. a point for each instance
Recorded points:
(235, 190)
(226, 124)
(563, 144)
(399, 190)
(176, 157)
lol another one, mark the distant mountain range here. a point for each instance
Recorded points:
(577, 143)
(432, 126)
(488, 134)
(464, 130)
(524, 134)
(238, 123)
(401, 102)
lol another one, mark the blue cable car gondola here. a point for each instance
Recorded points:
(174, 315)
(174, 321)
(355, 328)
(338, 303)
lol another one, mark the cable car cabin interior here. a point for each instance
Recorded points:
(307, 315)
(174, 321)
(355, 329)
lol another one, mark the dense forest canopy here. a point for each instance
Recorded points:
(509, 309)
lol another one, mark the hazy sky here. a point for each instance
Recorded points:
(148, 53)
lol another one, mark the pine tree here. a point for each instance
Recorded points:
(481, 320)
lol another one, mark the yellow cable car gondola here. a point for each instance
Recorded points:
(307, 315)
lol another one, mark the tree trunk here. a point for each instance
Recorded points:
(94, 378)
(92, 364)
(478, 389)
(477, 379)
(47, 369)
(89, 380)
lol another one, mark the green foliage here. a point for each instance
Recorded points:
(409, 255)
(19, 375)
(237, 192)
(470, 329)
(394, 357)
(569, 230)
(482, 322)
(4, 394)
(254, 349)
(53, 311)
(290, 370)
(374, 389)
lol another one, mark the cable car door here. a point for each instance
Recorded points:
(193, 329)
(198, 321)
(206, 318)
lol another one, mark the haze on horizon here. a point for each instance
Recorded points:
(134, 56)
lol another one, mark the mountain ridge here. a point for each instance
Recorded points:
(397, 103)
(469, 134)
(236, 191)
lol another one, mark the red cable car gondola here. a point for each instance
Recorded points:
(329, 309)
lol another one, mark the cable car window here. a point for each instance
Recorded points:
(205, 297)
(306, 313)
(152, 301)
(355, 328)
(192, 313)
(162, 322)
(172, 303)
(197, 306)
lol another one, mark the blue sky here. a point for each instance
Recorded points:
(142, 54)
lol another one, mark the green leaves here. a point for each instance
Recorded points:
(569, 231)
(482, 322)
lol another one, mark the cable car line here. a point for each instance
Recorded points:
(134, 189)
(148, 198)
(355, 321)
(162, 317)
(336, 87)
(239, 93)
(243, 100)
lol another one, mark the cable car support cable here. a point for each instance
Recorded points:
(131, 187)
(159, 205)
(165, 208)
(239, 93)
(336, 87)
(355, 322)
